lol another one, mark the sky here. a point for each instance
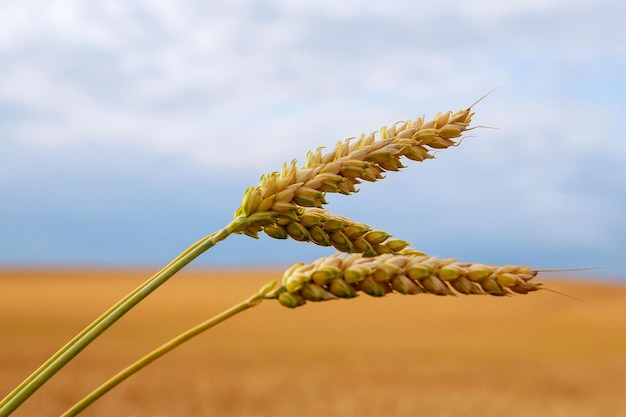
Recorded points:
(130, 129)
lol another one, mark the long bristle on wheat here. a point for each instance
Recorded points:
(408, 272)
(340, 170)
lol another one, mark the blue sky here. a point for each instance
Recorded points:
(129, 129)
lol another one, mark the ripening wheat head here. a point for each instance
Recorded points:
(407, 272)
(278, 201)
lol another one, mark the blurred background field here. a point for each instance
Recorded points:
(537, 355)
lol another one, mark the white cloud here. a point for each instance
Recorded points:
(182, 75)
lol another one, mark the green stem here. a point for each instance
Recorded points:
(95, 329)
(165, 348)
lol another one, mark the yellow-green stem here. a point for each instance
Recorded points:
(165, 348)
(95, 329)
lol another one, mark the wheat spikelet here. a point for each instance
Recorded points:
(340, 170)
(315, 225)
(407, 272)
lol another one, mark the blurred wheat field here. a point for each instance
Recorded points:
(537, 355)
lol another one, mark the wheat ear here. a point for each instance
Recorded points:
(340, 170)
(408, 272)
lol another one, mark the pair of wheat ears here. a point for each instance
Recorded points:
(288, 204)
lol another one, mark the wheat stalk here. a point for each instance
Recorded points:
(252, 301)
(407, 272)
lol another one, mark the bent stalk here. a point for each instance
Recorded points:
(254, 300)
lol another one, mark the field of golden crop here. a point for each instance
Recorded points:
(537, 355)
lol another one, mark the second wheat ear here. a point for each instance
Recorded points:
(407, 272)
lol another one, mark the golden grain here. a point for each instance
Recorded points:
(407, 272)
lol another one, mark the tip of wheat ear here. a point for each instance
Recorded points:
(410, 272)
